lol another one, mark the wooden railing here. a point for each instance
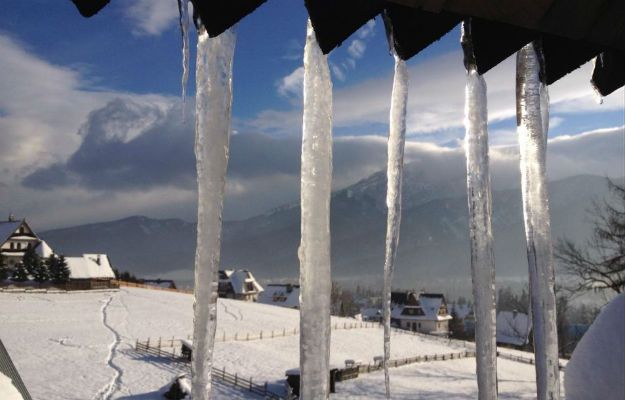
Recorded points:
(181, 362)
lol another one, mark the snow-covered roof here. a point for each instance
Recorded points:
(513, 328)
(283, 295)
(240, 280)
(43, 250)
(7, 228)
(90, 266)
(428, 304)
(370, 312)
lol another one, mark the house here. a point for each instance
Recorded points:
(16, 237)
(513, 328)
(371, 314)
(11, 383)
(238, 284)
(91, 271)
(423, 312)
(283, 295)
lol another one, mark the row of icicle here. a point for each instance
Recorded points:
(213, 126)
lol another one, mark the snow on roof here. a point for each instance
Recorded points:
(513, 328)
(43, 250)
(283, 295)
(90, 266)
(240, 280)
(7, 228)
(429, 303)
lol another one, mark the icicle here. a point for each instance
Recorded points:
(394, 172)
(183, 8)
(314, 250)
(479, 198)
(532, 125)
(481, 233)
(212, 134)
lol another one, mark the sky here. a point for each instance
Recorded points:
(91, 120)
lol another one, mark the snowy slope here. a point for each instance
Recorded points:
(80, 346)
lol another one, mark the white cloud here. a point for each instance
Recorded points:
(436, 98)
(356, 48)
(151, 17)
(292, 84)
(367, 30)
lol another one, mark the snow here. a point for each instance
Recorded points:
(450, 379)
(513, 328)
(280, 295)
(64, 351)
(213, 101)
(394, 172)
(7, 390)
(90, 266)
(314, 250)
(597, 367)
(481, 232)
(532, 125)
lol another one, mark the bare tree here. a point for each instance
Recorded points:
(600, 264)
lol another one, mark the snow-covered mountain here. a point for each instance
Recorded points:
(433, 243)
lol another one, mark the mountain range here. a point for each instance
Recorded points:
(433, 240)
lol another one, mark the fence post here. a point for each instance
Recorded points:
(283, 331)
(265, 389)
(148, 343)
(247, 337)
(224, 336)
(272, 333)
(236, 379)
(250, 384)
(236, 336)
(261, 335)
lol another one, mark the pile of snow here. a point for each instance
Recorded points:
(597, 367)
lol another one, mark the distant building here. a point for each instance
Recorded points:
(91, 271)
(17, 237)
(238, 284)
(513, 328)
(423, 312)
(283, 295)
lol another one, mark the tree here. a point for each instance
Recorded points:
(20, 274)
(30, 260)
(39, 271)
(456, 326)
(59, 271)
(601, 264)
(4, 270)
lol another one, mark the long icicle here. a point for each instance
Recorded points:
(479, 197)
(314, 250)
(532, 126)
(183, 9)
(394, 173)
(213, 101)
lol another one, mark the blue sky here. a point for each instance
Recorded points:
(74, 90)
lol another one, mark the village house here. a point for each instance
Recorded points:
(283, 295)
(89, 271)
(423, 312)
(17, 237)
(238, 284)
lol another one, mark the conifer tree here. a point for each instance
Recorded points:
(30, 260)
(20, 274)
(58, 269)
(39, 271)
(4, 270)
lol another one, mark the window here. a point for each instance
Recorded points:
(412, 311)
(21, 229)
(12, 246)
(249, 286)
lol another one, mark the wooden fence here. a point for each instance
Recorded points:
(179, 361)
(363, 369)
(152, 287)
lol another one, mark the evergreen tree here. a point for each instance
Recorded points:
(39, 271)
(31, 260)
(4, 270)
(58, 269)
(20, 274)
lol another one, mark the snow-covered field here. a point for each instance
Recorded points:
(80, 346)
